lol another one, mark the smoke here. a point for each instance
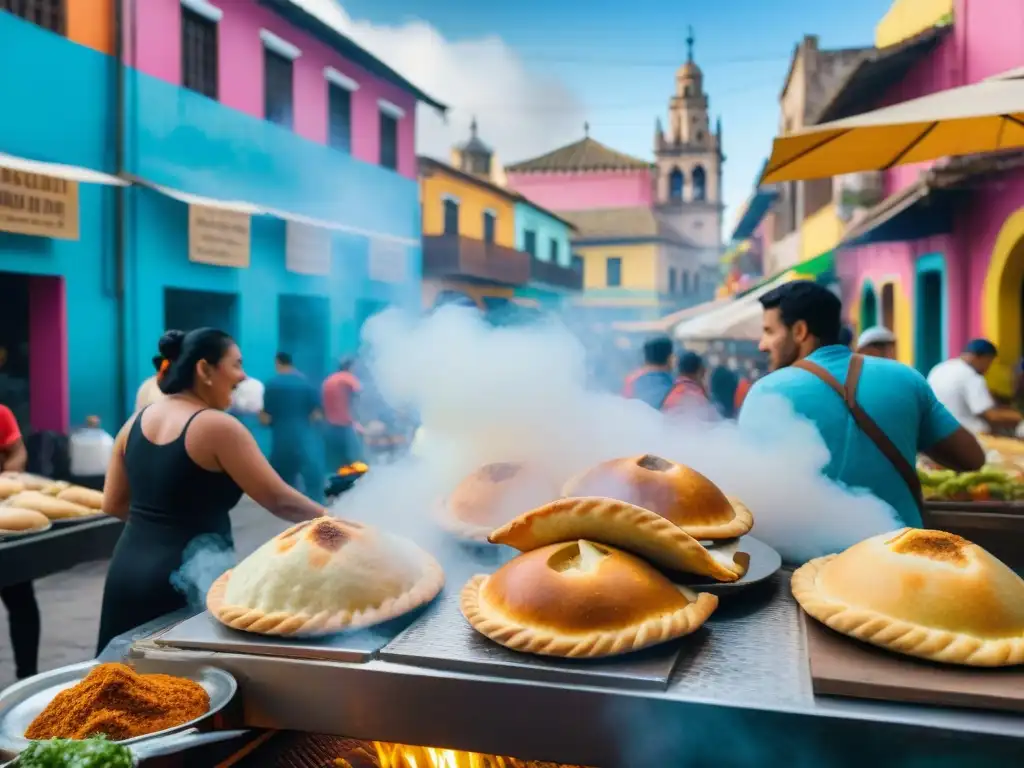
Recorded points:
(487, 394)
(205, 558)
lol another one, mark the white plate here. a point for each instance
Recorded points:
(21, 703)
(21, 534)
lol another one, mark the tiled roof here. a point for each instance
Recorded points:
(584, 155)
(619, 223)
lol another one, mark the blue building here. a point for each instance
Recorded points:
(252, 170)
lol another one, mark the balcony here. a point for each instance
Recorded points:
(555, 275)
(454, 256)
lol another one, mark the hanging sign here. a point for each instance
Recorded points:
(33, 204)
(219, 237)
(387, 261)
(307, 249)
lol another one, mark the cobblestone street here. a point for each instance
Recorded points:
(70, 601)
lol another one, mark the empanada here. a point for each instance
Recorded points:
(679, 494)
(324, 576)
(86, 497)
(581, 599)
(493, 495)
(624, 525)
(52, 507)
(923, 593)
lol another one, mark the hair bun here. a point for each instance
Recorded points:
(170, 345)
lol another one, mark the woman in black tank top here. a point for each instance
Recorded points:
(175, 491)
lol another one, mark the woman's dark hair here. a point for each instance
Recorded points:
(183, 350)
(722, 388)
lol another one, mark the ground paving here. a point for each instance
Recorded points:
(70, 601)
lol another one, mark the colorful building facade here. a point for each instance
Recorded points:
(271, 190)
(941, 260)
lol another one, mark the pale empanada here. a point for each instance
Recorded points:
(923, 593)
(581, 599)
(493, 495)
(324, 576)
(624, 525)
(85, 497)
(679, 494)
(9, 486)
(52, 507)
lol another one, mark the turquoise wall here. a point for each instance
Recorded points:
(546, 227)
(184, 141)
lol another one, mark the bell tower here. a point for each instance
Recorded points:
(689, 159)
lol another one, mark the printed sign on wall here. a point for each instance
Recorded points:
(387, 261)
(307, 249)
(219, 237)
(33, 204)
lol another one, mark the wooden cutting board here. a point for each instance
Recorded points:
(842, 666)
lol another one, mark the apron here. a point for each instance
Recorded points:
(868, 425)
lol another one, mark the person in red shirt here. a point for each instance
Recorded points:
(19, 599)
(338, 396)
(689, 391)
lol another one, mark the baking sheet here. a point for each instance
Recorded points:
(442, 639)
(842, 666)
(203, 632)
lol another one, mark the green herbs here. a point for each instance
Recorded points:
(94, 752)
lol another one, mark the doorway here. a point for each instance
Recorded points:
(930, 322)
(302, 332)
(868, 307)
(889, 306)
(15, 349)
(186, 310)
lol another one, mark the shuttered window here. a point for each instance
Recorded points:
(48, 14)
(198, 53)
(277, 88)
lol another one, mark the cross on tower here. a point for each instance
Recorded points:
(689, 45)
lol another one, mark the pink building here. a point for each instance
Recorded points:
(941, 259)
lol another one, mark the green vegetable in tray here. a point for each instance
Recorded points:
(94, 752)
(934, 478)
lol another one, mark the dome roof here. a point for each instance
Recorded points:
(474, 145)
(689, 70)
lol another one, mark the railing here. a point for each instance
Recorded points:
(454, 256)
(556, 275)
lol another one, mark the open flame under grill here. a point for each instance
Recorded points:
(289, 749)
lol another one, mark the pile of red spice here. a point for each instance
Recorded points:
(115, 700)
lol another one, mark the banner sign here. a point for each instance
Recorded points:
(307, 249)
(33, 204)
(219, 237)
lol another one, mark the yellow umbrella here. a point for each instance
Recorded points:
(984, 117)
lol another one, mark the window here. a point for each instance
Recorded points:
(554, 251)
(388, 141)
(277, 88)
(530, 242)
(613, 272)
(198, 53)
(339, 117)
(451, 216)
(699, 184)
(489, 221)
(675, 184)
(577, 263)
(48, 14)
(686, 283)
(671, 279)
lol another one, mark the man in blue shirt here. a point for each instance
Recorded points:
(654, 381)
(291, 406)
(802, 323)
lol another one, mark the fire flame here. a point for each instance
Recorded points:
(405, 756)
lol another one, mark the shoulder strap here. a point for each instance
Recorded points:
(184, 430)
(867, 424)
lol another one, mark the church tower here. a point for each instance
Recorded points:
(688, 157)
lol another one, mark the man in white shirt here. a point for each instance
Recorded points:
(960, 385)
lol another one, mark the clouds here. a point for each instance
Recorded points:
(521, 113)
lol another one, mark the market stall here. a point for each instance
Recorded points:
(715, 655)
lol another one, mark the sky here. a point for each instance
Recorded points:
(534, 71)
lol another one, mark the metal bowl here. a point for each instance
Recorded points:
(22, 702)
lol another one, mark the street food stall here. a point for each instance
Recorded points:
(627, 618)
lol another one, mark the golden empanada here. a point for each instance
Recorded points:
(324, 576)
(919, 592)
(681, 495)
(581, 599)
(624, 525)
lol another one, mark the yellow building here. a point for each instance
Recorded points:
(469, 236)
(907, 18)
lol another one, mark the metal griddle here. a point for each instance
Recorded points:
(205, 633)
(442, 639)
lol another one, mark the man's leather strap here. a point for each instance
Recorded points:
(867, 425)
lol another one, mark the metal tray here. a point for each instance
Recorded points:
(4, 535)
(443, 640)
(66, 521)
(204, 632)
(765, 562)
(21, 703)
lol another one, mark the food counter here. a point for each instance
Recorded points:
(33, 556)
(739, 694)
